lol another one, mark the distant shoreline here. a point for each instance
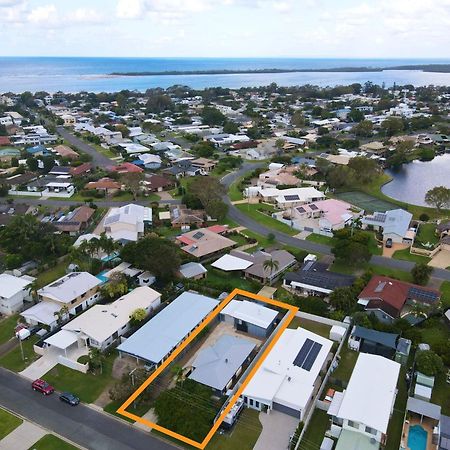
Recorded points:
(436, 68)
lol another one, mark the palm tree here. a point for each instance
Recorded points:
(271, 265)
(107, 244)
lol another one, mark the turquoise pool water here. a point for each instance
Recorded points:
(101, 276)
(417, 438)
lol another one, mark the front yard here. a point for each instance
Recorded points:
(87, 387)
(406, 255)
(52, 442)
(7, 327)
(8, 423)
(13, 359)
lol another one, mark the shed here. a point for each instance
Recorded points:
(337, 333)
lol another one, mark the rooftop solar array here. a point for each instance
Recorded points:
(301, 209)
(307, 355)
(380, 286)
(290, 198)
(416, 293)
(313, 207)
(198, 235)
(379, 218)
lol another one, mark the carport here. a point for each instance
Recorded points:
(62, 340)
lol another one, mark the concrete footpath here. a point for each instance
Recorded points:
(23, 437)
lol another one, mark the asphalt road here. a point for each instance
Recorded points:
(98, 159)
(247, 222)
(81, 424)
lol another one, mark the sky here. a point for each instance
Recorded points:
(226, 28)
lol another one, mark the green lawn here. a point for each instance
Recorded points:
(52, 442)
(319, 239)
(51, 274)
(7, 327)
(87, 387)
(13, 359)
(445, 290)
(8, 423)
(315, 432)
(315, 327)
(234, 193)
(252, 211)
(406, 255)
(112, 408)
(239, 238)
(243, 436)
(342, 267)
(441, 394)
(426, 236)
(222, 280)
(346, 364)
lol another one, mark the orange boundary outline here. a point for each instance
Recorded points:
(201, 445)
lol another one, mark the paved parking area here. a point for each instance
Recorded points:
(388, 252)
(277, 429)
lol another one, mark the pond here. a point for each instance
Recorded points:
(412, 181)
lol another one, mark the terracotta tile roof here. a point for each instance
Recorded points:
(79, 170)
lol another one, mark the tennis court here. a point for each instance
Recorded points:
(366, 201)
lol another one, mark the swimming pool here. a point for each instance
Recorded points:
(101, 276)
(417, 438)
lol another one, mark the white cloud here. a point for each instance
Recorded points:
(129, 9)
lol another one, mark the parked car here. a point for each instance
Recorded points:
(388, 243)
(69, 398)
(42, 386)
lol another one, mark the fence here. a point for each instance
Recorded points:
(71, 364)
(320, 319)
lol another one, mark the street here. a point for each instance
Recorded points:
(81, 424)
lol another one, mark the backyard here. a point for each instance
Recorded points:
(426, 236)
(315, 327)
(315, 432)
(51, 274)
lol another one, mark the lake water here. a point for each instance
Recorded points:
(92, 74)
(413, 180)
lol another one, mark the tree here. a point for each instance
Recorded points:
(351, 246)
(62, 314)
(230, 127)
(365, 169)
(429, 363)
(391, 126)
(363, 129)
(298, 119)
(270, 265)
(138, 315)
(128, 384)
(133, 182)
(158, 103)
(212, 116)
(339, 176)
(207, 189)
(270, 237)
(439, 197)
(343, 299)
(356, 115)
(158, 256)
(217, 209)
(96, 360)
(421, 273)
(32, 164)
(116, 286)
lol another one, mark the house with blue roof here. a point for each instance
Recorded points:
(38, 150)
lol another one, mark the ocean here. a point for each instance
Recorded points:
(18, 74)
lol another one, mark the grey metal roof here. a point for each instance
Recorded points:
(166, 330)
(426, 409)
(445, 433)
(192, 269)
(379, 337)
(215, 366)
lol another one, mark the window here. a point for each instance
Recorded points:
(371, 431)
(250, 401)
(353, 424)
(256, 404)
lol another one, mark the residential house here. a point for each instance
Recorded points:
(364, 409)
(66, 152)
(289, 198)
(279, 176)
(204, 243)
(80, 170)
(103, 325)
(149, 161)
(373, 147)
(395, 225)
(125, 167)
(204, 164)
(314, 278)
(127, 223)
(253, 264)
(13, 292)
(38, 150)
(75, 221)
(192, 271)
(183, 217)
(55, 186)
(250, 317)
(390, 299)
(157, 183)
(220, 365)
(161, 335)
(105, 184)
(226, 139)
(290, 374)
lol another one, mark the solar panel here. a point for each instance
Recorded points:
(198, 235)
(312, 356)
(421, 294)
(290, 198)
(303, 353)
(313, 207)
(301, 210)
(380, 286)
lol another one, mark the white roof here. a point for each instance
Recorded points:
(230, 262)
(11, 285)
(43, 312)
(250, 312)
(85, 237)
(279, 380)
(62, 339)
(70, 286)
(102, 321)
(371, 392)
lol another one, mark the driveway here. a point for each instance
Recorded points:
(388, 252)
(441, 260)
(277, 429)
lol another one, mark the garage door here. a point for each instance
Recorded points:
(286, 410)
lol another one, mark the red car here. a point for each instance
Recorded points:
(43, 387)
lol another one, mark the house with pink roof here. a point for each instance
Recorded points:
(321, 217)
